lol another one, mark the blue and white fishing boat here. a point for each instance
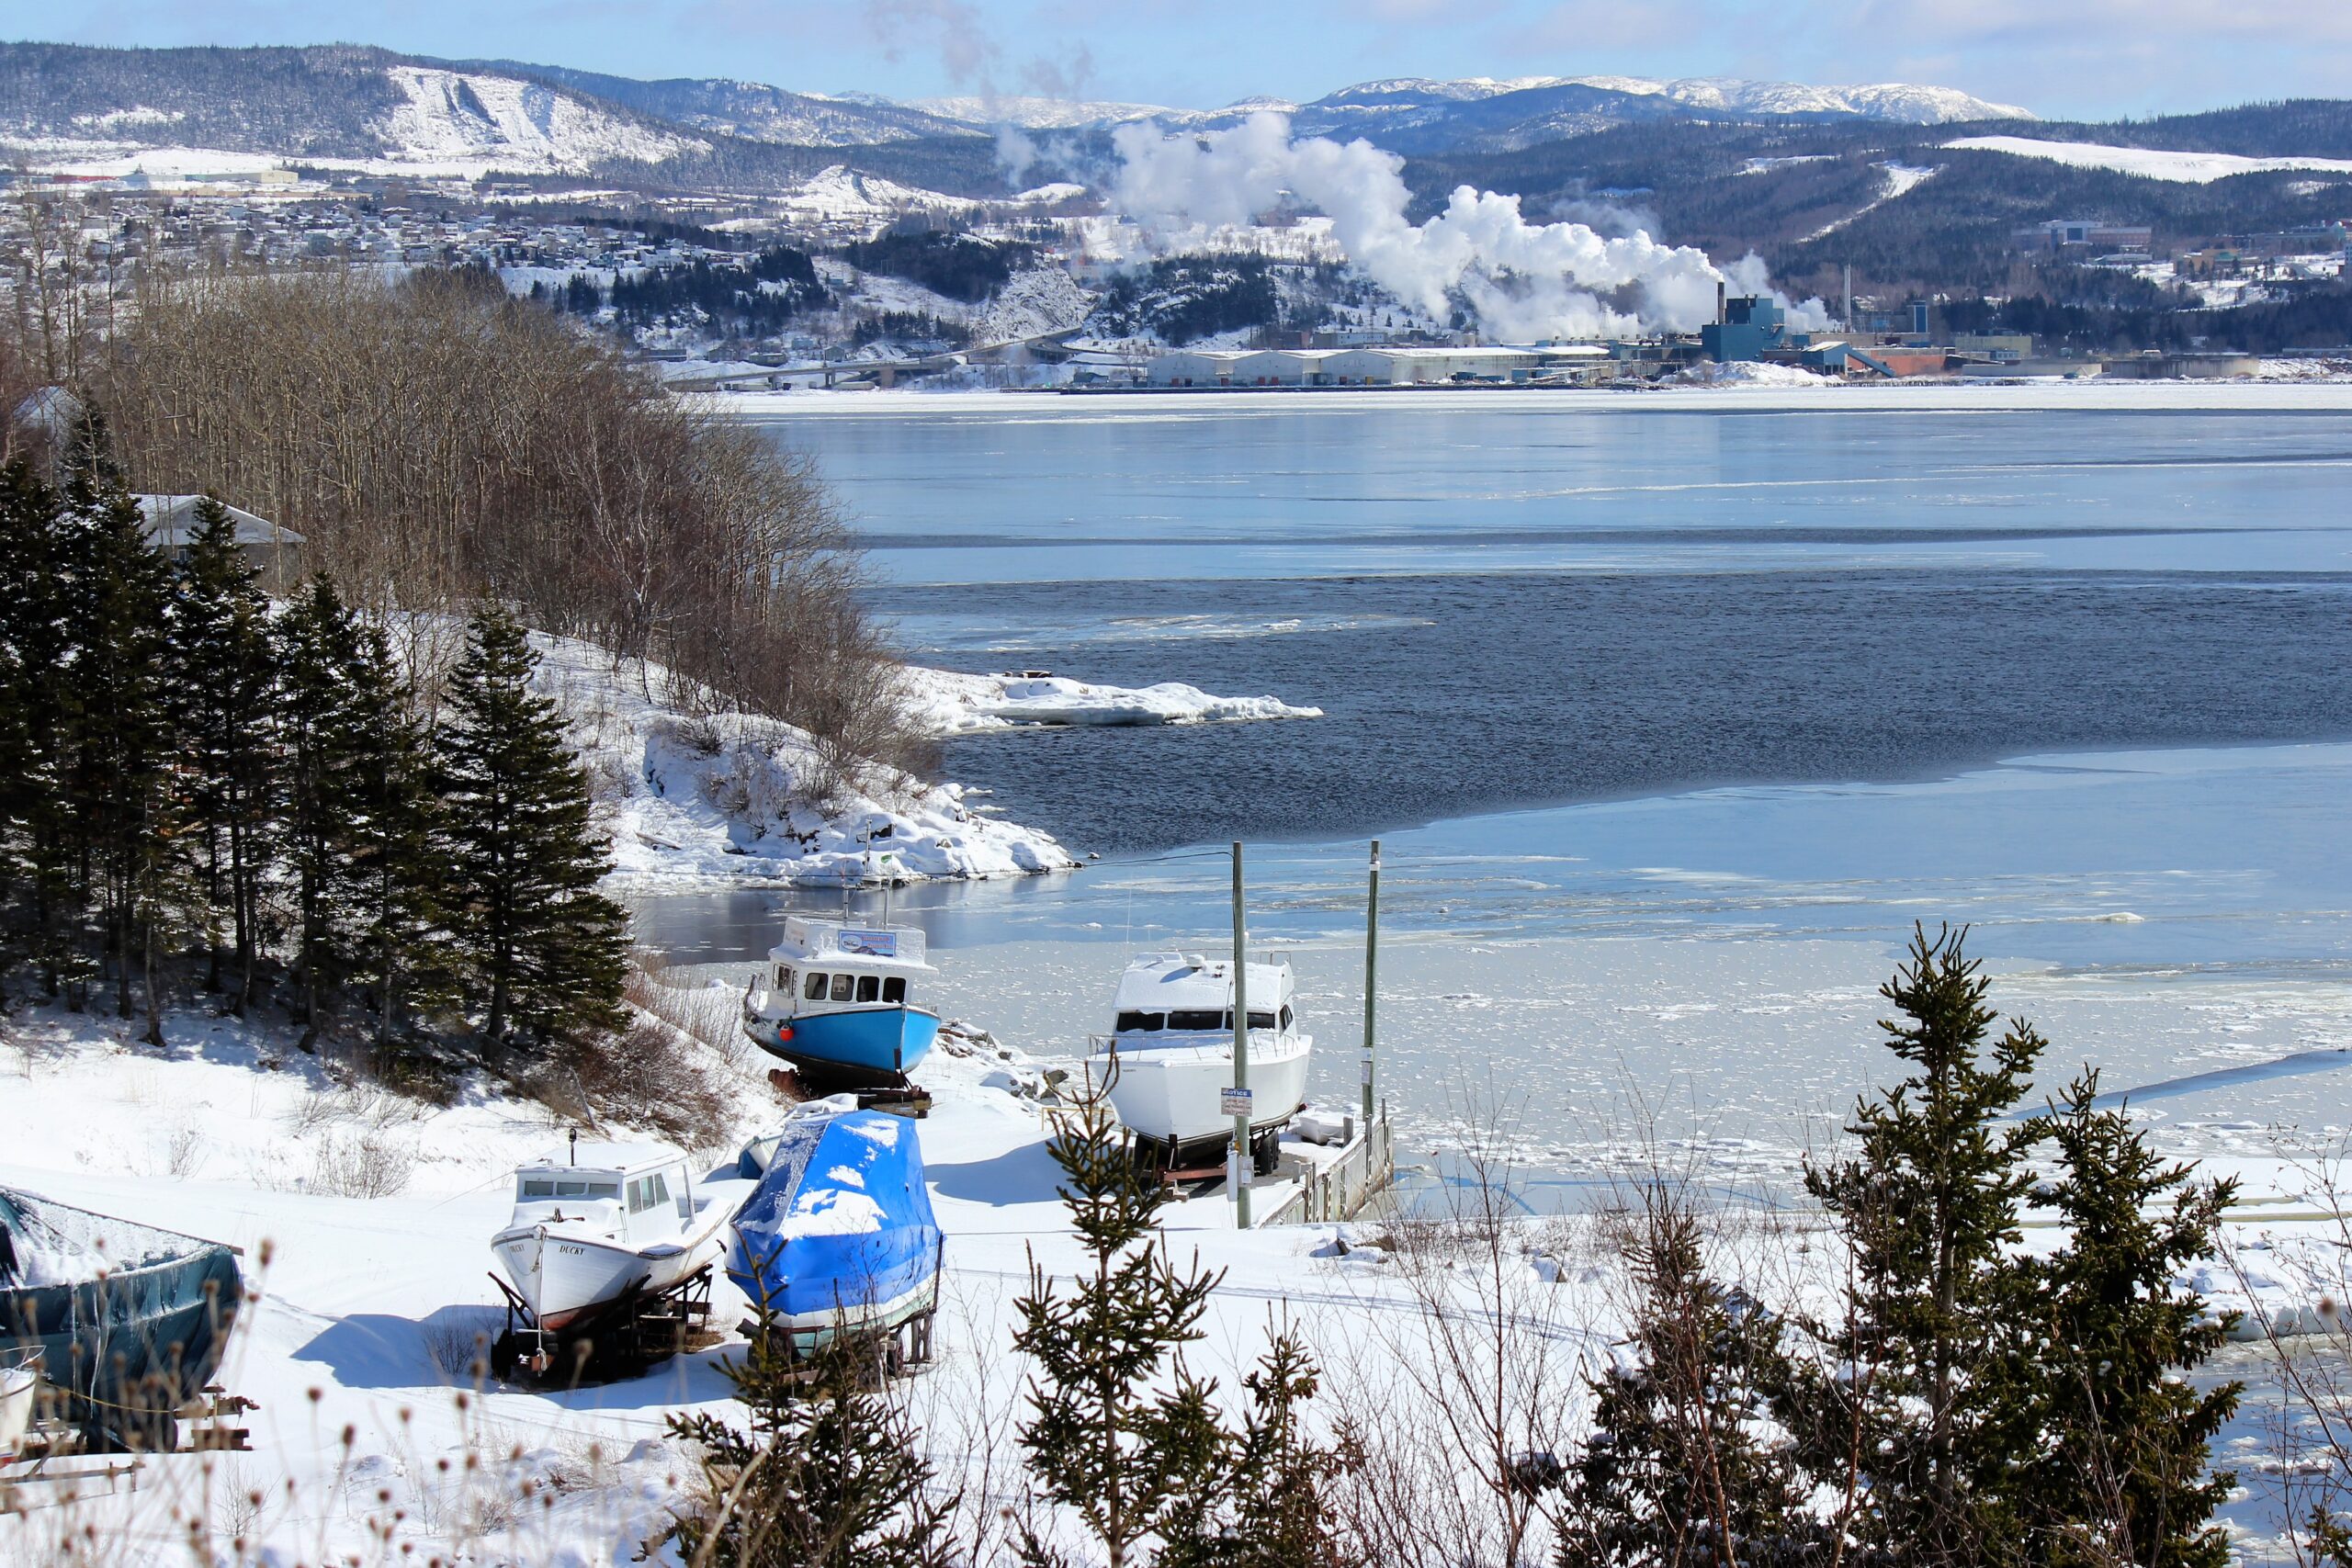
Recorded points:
(838, 1235)
(835, 1000)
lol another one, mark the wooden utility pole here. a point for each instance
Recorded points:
(1239, 1179)
(1370, 978)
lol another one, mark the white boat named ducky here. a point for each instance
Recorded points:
(595, 1221)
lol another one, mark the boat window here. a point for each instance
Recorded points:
(573, 1187)
(816, 986)
(894, 989)
(842, 986)
(1261, 1021)
(1287, 1018)
(784, 978)
(536, 1186)
(1200, 1019)
(1142, 1023)
(869, 987)
(648, 1192)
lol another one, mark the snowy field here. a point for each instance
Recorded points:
(2147, 163)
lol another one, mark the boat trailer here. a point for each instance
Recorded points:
(619, 1338)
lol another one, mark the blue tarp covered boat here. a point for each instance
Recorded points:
(130, 1321)
(839, 1234)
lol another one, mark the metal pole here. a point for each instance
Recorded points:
(1371, 978)
(1240, 1180)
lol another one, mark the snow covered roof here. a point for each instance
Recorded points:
(172, 518)
(1155, 981)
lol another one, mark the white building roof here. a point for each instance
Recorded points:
(172, 518)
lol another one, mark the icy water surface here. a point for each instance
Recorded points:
(1509, 606)
(1673, 723)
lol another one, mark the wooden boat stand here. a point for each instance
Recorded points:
(910, 1101)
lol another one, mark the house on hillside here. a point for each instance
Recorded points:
(274, 548)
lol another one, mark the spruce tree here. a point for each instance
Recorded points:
(123, 804)
(317, 640)
(1924, 1398)
(536, 947)
(1128, 1462)
(30, 749)
(826, 1475)
(1681, 1469)
(2122, 1474)
(224, 688)
(392, 874)
(1270, 1506)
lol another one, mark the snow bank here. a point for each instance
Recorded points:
(947, 702)
(737, 797)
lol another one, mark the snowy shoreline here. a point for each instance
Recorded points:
(729, 799)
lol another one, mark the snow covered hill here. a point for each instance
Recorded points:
(2148, 163)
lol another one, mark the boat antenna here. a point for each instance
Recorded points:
(576, 1145)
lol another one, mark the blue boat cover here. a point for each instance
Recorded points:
(841, 1224)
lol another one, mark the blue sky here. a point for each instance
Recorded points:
(2088, 58)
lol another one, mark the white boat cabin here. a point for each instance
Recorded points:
(1181, 993)
(826, 966)
(635, 1192)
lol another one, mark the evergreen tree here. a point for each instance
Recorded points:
(1925, 1400)
(826, 1476)
(224, 686)
(2122, 1477)
(1271, 1507)
(1128, 1462)
(536, 947)
(317, 653)
(1678, 1472)
(392, 871)
(122, 804)
(31, 746)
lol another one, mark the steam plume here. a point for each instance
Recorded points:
(1523, 280)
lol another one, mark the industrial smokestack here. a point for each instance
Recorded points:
(1848, 317)
(1719, 302)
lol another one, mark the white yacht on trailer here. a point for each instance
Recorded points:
(595, 1221)
(1170, 1055)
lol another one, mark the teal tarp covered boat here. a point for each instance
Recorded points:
(130, 1321)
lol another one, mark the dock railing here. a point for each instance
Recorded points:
(1340, 1189)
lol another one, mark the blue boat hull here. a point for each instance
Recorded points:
(879, 1044)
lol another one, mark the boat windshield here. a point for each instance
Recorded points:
(1131, 1022)
(534, 1189)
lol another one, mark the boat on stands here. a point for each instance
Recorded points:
(1168, 1057)
(839, 1236)
(596, 1225)
(837, 1001)
(125, 1322)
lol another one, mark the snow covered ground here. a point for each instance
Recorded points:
(369, 1440)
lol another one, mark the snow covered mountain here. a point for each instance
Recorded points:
(761, 113)
(1420, 115)
(337, 106)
